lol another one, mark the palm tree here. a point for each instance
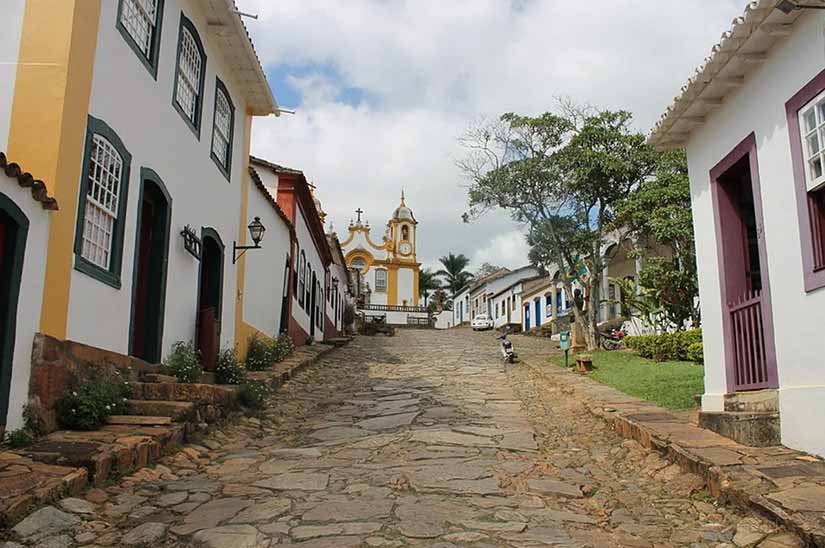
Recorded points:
(427, 281)
(455, 272)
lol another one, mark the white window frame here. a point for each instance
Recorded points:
(105, 175)
(222, 128)
(816, 107)
(139, 19)
(381, 284)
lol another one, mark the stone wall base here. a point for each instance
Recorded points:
(751, 429)
(58, 365)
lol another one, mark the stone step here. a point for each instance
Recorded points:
(139, 420)
(180, 411)
(158, 377)
(755, 401)
(108, 452)
(752, 429)
(184, 392)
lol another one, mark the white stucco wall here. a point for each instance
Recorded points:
(9, 54)
(139, 109)
(444, 319)
(798, 316)
(307, 245)
(30, 297)
(461, 309)
(266, 267)
(335, 314)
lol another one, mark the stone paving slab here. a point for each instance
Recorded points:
(487, 456)
(791, 494)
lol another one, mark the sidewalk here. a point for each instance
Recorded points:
(784, 485)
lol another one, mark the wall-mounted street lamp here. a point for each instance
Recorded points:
(788, 6)
(256, 231)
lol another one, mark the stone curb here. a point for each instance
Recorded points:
(732, 484)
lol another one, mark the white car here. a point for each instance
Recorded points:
(482, 322)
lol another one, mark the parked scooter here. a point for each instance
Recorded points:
(507, 350)
(613, 339)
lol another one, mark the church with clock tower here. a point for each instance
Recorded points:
(387, 263)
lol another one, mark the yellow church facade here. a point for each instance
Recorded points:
(388, 267)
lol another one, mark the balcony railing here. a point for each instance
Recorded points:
(393, 308)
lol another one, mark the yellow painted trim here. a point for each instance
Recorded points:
(242, 329)
(48, 127)
(392, 285)
(366, 231)
(369, 260)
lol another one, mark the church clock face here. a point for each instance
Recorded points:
(405, 248)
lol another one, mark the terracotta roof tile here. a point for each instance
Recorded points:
(25, 179)
(740, 48)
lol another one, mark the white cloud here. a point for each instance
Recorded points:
(428, 67)
(508, 250)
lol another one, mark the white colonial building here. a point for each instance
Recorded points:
(753, 123)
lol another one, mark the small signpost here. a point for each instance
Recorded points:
(564, 343)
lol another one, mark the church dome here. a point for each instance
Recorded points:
(402, 212)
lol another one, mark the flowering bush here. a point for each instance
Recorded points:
(261, 353)
(282, 347)
(229, 369)
(253, 395)
(184, 362)
(87, 406)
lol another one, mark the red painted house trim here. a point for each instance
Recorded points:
(813, 280)
(746, 148)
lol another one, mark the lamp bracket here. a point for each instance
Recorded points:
(242, 249)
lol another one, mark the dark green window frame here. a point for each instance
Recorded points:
(110, 276)
(227, 169)
(150, 62)
(194, 125)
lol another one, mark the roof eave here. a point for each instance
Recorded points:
(743, 48)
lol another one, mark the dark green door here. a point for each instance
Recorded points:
(14, 228)
(149, 292)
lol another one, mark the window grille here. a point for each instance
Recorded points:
(381, 280)
(189, 75)
(138, 17)
(105, 170)
(222, 135)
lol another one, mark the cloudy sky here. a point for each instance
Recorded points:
(383, 88)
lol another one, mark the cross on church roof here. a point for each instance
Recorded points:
(359, 211)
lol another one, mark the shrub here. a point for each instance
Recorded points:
(229, 370)
(282, 348)
(184, 362)
(19, 438)
(87, 406)
(253, 394)
(261, 353)
(668, 346)
(696, 352)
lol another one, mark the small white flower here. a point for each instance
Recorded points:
(74, 394)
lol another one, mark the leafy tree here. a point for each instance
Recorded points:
(455, 272)
(486, 269)
(441, 300)
(659, 212)
(561, 175)
(427, 282)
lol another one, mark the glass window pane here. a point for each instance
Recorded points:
(813, 144)
(810, 120)
(816, 168)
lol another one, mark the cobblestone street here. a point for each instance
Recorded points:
(423, 439)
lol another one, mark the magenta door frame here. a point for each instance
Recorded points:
(721, 208)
